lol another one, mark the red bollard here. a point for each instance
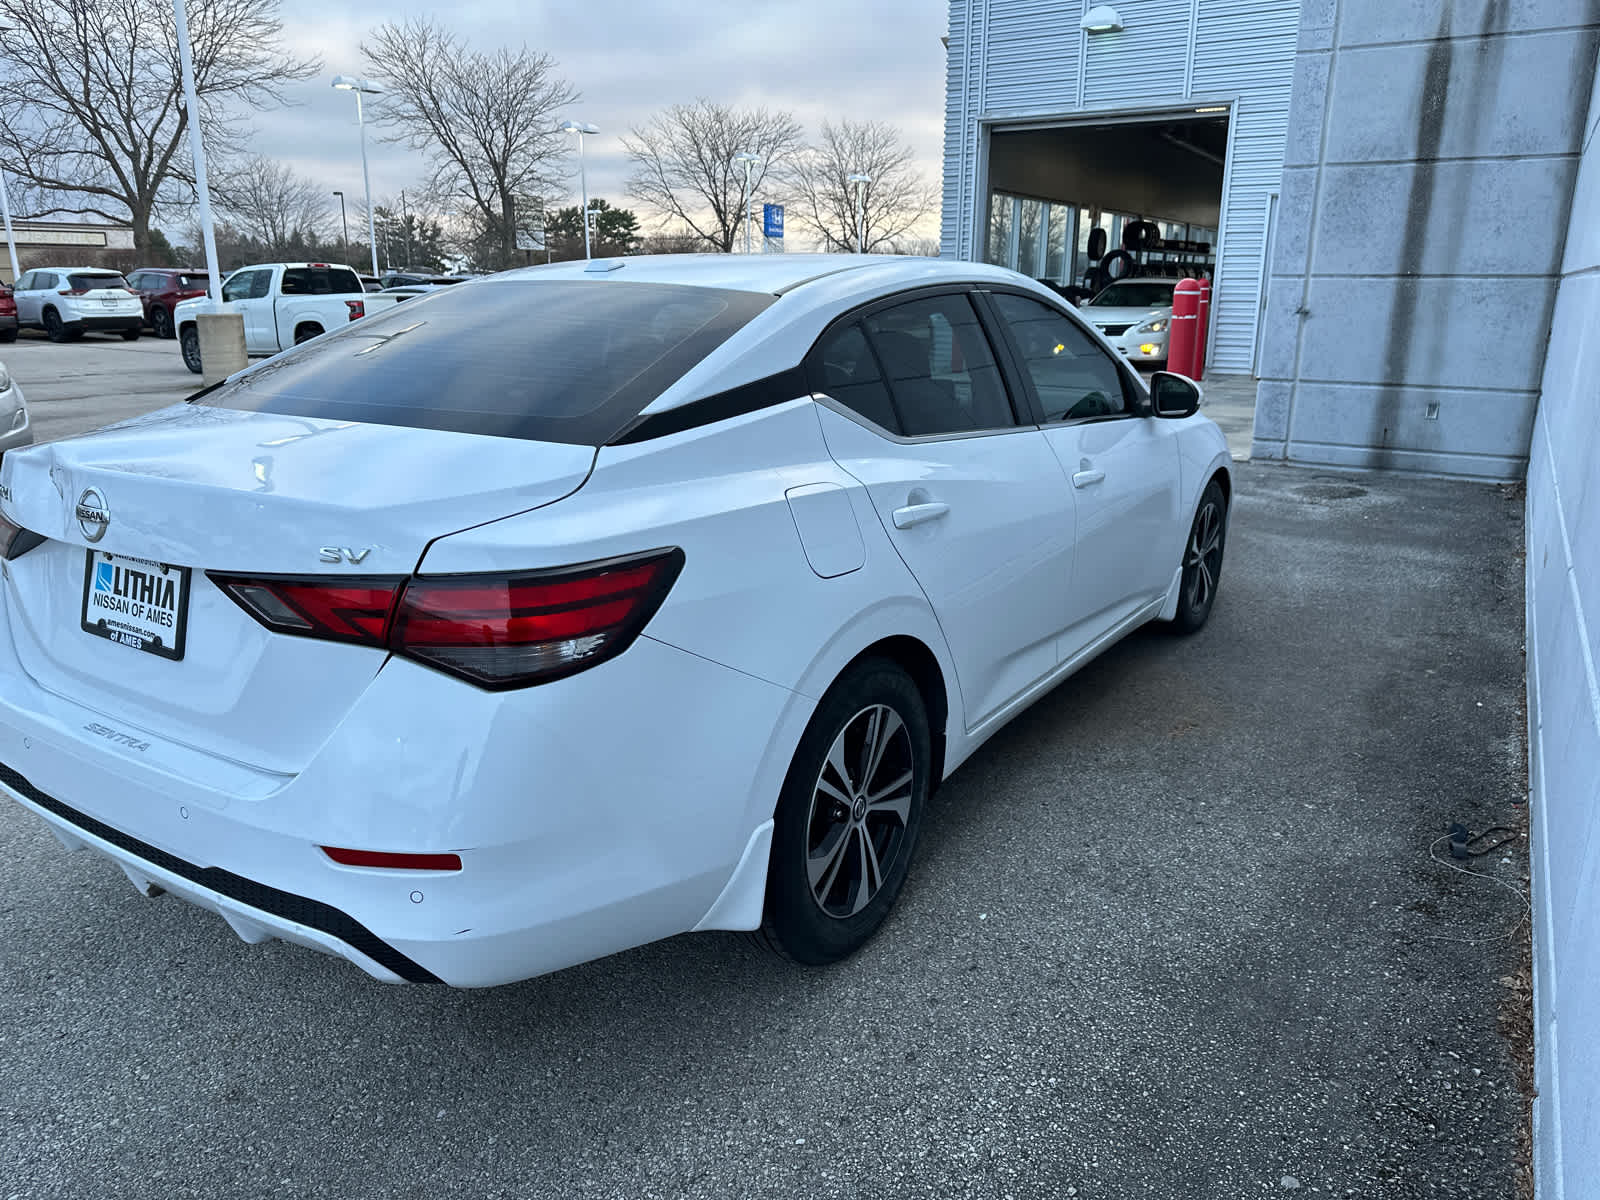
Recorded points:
(1181, 338)
(1205, 330)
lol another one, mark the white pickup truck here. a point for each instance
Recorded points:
(283, 304)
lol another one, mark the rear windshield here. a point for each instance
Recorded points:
(553, 361)
(1136, 295)
(85, 281)
(320, 281)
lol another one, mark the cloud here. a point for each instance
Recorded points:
(821, 59)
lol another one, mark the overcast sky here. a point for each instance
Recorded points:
(819, 59)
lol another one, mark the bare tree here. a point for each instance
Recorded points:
(685, 168)
(270, 203)
(487, 120)
(896, 199)
(91, 107)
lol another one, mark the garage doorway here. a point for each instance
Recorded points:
(1052, 185)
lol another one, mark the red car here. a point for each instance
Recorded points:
(161, 288)
(8, 314)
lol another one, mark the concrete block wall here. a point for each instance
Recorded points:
(1563, 640)
(1430, 165)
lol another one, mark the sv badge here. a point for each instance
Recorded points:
(339, 554)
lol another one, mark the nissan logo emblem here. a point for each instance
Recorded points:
(93, 515)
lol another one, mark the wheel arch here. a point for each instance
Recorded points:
(917, 660)
(308, 325)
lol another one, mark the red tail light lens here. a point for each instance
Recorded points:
(73, 292)
(358, 308)
(494, 631)
(345, 609)
(514, 630)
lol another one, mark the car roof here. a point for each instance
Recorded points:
(77, 270)
(773, 274)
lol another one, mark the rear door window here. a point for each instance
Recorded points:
(843, 366)
(597, 354)
(941, 370)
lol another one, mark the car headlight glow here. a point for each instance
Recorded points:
(1159, 325)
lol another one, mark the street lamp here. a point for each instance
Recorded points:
(349, 83)
(580, 129)
(861, 182)
(749, 160)
(344, 224)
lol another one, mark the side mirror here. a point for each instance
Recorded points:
(1173, 395)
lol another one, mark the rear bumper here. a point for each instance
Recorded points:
(105, 324)
(589, 815)
(255, 911)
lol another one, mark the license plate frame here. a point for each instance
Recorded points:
(130, 613)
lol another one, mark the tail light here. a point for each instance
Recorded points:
(494, 631)
(73, 292)
(15, 541)
(358, 308)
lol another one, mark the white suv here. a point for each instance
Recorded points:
(67, 301)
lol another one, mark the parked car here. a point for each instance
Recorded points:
(1136, 315)
(371, 283)
(162, 289)
(67, 302)
(283, 304)
(395, 279)
(468, 657)
(14, 428)
(8, 314)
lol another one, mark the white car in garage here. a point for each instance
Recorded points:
(67, 302)
(1136, 317)
(468, 657)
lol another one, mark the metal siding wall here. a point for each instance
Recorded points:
(1023, 61)
(1245, 51)
(1144, 62)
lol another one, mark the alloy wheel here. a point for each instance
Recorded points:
(860, 809)
(1203, 560)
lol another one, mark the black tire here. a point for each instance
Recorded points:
(306, 332)
(189, 344)
(835, 918)
(1202, 560)
(160, 322)
(130, 335)
(1097, 243)
(53, 328)
(7, 336)
(1129, 266)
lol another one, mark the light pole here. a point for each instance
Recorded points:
(580, 129)
(344, 224)
(749, 160)
(11, 241)
(191, 108)
(861, 182)
(349, 83)
(5, 210)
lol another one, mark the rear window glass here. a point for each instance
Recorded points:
(559, 361)
(85, 281)
(320, 281)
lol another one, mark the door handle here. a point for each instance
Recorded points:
(916, 514)
(1083, 479)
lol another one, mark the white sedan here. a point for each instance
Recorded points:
(1136, 317)
(468, 658)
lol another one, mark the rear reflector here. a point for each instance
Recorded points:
(393, 862)
(494, 631)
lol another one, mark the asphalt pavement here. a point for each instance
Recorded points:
(74, 387)
(1185, 929)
